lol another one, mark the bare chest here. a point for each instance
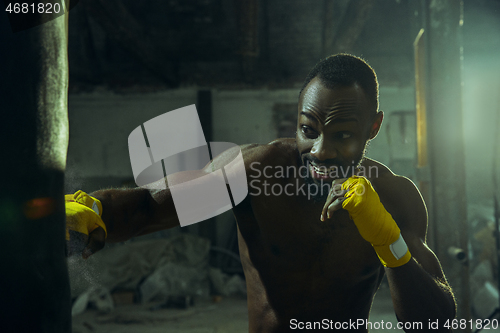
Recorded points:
(286, 235)
(299, 267)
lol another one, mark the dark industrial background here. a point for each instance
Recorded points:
(161, 54)
(243, 63)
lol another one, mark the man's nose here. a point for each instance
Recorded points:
(323, 150)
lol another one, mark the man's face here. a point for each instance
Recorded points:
(333, 128)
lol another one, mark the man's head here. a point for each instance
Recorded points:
(338, 115)
(342, 70)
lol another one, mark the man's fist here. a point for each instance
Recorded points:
(84, 226)
(375, 224)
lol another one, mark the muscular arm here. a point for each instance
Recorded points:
(383, 213)
(134, 212)
(419, 288)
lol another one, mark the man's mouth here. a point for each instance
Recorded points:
(321, 172)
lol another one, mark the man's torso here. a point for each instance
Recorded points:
(297, 267)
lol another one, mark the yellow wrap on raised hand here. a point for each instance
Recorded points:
(375, 224)
(83, 213)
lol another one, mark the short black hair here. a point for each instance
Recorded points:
(345, 70)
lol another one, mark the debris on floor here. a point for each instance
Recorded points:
(171, 272)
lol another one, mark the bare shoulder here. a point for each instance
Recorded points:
(400, 197)
(256, 156)
(280, 152)
(273, 152)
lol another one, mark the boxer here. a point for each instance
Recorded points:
(310, 256)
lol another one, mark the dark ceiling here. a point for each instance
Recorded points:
(155, 44)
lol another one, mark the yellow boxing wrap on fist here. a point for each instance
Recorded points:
(83, 213)
(374, 223)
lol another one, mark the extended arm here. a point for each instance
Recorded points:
(116, 215)
(134, 212)
(128, 213)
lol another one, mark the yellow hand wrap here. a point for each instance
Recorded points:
(374, 223)
(83, 213)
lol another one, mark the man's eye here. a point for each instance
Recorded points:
(308, 131)
(345, 135)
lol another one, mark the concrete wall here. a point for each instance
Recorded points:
(101, 122)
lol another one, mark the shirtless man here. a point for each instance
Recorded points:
(311, 255)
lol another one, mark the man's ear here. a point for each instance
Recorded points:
(377, 122)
